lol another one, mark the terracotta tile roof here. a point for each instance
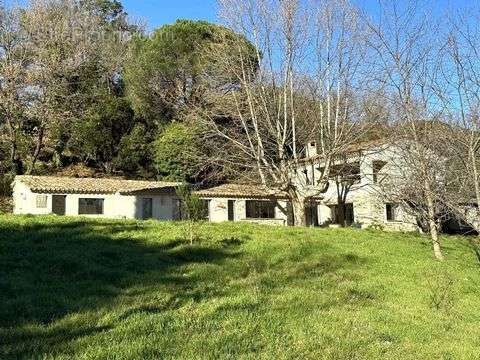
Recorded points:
(243, 191)
(240, 191)
(52, 184)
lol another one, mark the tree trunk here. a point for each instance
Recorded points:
(13, 148)
(341, 214)
(13, 157)
(38, 148)
(299, 216)
(15, 161)
(437, 251)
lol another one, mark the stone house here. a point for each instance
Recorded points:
(359, 181)
(359, 194)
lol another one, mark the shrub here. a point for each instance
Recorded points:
(376, 226)
(194, 212)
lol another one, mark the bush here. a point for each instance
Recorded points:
(177, 154)
(376, 226)
(194, 212)
(442, 292)
(6, 205)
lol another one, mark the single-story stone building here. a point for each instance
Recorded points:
(112, 198)
(252, 203)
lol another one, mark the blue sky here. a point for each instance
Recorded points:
(159, 12)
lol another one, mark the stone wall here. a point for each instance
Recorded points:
(218, 211)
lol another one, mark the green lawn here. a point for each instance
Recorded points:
(85, 289)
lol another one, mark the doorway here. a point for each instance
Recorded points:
(311, 213)
(147, 208)
(342, 214)
(59, 204)
(231, 210)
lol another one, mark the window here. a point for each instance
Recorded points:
(205, 209)
(345, 173)
(90, 206)
(342, 214)
(198, 210)
(377, 166)
(308, 180)
(311, 213)
(260, 209)
(41, 201)
(391, 210)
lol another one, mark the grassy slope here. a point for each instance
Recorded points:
(72, 288)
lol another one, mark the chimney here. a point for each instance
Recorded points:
(311, 149)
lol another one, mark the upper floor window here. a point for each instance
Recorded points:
(307, 178)
(377, 166)
(90, 206)
(256, 209)
(346, 173)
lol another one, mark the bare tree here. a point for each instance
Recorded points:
(461, 70)
(13, 79)
(63, 39)
(45, 50)
(407, 63)
(299, 87)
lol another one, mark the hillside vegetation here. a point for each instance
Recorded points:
(98, 289)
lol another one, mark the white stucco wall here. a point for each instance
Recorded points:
(218, 209)
(24, 201)
(164, 207)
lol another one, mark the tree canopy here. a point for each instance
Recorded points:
(106, 101)
(168, 73)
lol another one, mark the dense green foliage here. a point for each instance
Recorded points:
(76, 111)
(87, 289)
(135, 152)
(168, 73)
(178, 153)
(97, 138)
(105, 99)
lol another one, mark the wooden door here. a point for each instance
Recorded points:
(59, 204)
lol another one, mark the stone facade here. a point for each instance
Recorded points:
(366, 197)
(367, 194)
(218, 211)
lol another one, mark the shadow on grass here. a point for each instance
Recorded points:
(51, 270)
(475, 245)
